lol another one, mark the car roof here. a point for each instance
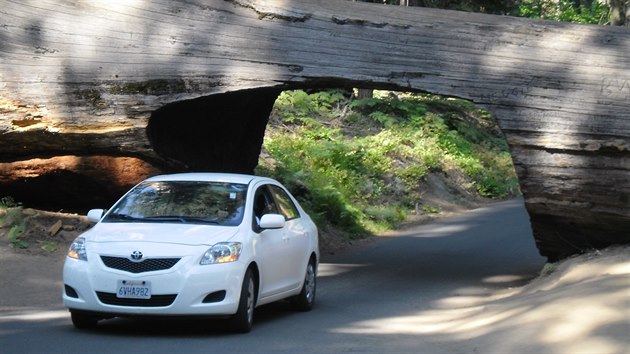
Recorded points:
(208, 177)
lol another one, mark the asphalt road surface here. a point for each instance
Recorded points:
(367, 299)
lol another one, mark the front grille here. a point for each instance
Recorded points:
(147, 265)
(154, 301)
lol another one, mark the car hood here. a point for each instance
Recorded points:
(180, 234)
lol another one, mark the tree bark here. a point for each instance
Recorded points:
(87, 78)
(619, 12)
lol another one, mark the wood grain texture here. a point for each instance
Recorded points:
(83, 77)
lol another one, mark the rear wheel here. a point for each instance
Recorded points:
(83, 321)
(305, 300)
(244, 318)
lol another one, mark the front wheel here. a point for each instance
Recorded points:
(305, 300)
(244, 318)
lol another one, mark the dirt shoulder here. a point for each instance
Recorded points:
(578, 305)
(32, 260)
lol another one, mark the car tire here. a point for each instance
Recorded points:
(305, 300)
(83, 321)
(243, 320)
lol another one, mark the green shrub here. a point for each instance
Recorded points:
(359, 165)
(429, 209)
(11, 216)
(15, 232)
(564, 10)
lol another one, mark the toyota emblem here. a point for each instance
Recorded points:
(136, 255)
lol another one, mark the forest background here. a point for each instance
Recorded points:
(603, 12)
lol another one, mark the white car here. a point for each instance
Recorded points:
(193, 244)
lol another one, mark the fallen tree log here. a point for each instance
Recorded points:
(89, 78)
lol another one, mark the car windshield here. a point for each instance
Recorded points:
(216, 203)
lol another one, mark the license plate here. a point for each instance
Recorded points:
(133, 289)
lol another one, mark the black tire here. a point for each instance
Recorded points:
(83, 321)
(305, 300)
(243, 320)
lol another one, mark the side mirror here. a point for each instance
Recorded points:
(272, 221)
(95, 215)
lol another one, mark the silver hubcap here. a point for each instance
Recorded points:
(309, 283)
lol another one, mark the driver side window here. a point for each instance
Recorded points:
(263, 204)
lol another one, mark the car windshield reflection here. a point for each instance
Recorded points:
(214, 203)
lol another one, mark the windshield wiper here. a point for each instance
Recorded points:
(165, 218)
(116, 217)
(183, 219)
(198, 219)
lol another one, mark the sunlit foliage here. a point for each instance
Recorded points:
(360, 164)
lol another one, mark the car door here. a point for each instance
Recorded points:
(296, 236)
(271, 247)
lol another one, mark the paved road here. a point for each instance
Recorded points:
(368, 299)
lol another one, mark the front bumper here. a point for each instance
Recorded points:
(187, 289)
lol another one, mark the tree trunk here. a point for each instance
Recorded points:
(88, 78)
(365, 93)
(619, 12)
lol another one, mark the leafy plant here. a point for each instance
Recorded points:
(49, 246)
(14, 235)
(429, 209)
(596, 12)
(300, 107)
(10, 212)
(11, 216)
(359, 165)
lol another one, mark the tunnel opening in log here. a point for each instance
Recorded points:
(218, 133)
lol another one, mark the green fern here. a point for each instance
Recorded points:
(363, 173)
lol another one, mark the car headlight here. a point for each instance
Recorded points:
(77, 249)
(223, 252)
